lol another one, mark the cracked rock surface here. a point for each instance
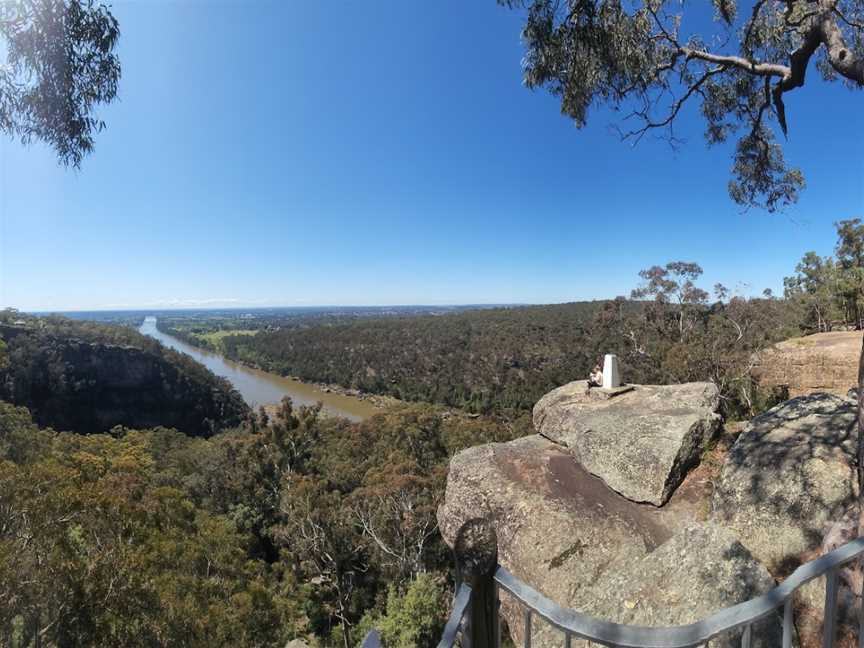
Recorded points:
(641, 442)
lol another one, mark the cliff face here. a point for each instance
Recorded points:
(85, 386)
(824, 362)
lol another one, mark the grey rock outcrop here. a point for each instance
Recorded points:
(788, 474)
(568, 535)
(558, 527)
(641, 442)
(700, 570)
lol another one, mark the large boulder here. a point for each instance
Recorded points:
(791, 472)
(565, 533)
(640, 442)
(558, 527)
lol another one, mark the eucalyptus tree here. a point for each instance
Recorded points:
(57, 65)
(675, 284)
(815, 287)
(640, 56)
(850, 259)
(651, 58)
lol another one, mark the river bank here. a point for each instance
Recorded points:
(380, 401)
(262, 388)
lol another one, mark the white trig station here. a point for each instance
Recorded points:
(611, 374)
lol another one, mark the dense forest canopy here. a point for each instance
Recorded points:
(503, 360)
(290, 526)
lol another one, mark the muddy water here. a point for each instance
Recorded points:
(261, 387)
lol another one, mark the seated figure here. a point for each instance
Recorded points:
(596, 377)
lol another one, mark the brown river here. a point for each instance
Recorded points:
(261, 387)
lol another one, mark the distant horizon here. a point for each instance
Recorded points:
(420, 305)
(44, 311)
(51, 311)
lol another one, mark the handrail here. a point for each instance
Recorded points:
(576, 624)
(684, 636)
(460, 605)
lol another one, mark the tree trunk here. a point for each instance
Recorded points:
(861, 442)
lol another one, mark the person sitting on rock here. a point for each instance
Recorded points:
(596, 377)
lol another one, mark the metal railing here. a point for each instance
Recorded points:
(571, 623)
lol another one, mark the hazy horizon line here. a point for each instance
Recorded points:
(137, 309)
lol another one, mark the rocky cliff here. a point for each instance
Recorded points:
(824, 362)
(573, 520)
(86, 386)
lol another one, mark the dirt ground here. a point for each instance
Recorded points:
(840, 342)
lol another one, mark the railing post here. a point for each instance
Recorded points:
(829, 626)
(476, 551)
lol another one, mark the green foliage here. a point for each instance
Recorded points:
(651, 58)
(58, 65)
(293, 525)
(414, 619)
(483, 361)
(96, 549)
(21, 441)
(830, 291)
(503, 360)
(850, 258)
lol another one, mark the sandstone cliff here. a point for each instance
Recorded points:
(824, 362)
(86, 386)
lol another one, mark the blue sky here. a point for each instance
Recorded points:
(288, 153)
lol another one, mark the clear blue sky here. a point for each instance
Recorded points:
(291, 153)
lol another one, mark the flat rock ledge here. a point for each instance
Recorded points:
(640, 442)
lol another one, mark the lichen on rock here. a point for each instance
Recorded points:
(641, 442)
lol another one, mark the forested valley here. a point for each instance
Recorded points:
(295, 526)
(240, 528)
(88, 377)
(501, 360)
(234, 527)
